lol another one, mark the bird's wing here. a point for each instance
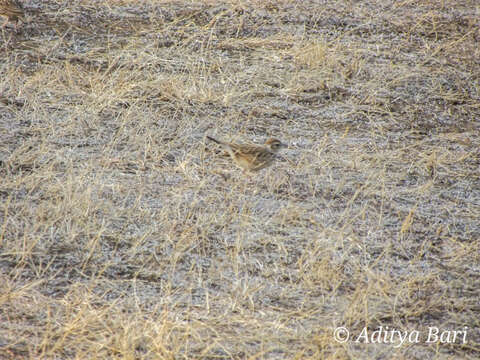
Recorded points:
(11, 8)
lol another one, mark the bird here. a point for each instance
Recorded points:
(252, 157)
(12, 10)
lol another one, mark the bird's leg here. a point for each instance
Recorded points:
(248, 174)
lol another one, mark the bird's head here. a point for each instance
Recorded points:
(275, 144)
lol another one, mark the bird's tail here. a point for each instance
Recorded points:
(214, 140)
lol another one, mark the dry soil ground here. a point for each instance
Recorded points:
(124, 235)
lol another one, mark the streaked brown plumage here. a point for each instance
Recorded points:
(252, 157)
(12, 10)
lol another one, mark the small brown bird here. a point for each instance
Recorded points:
(252, 157)
(12, 10)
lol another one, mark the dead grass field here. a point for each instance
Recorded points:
(125, 235)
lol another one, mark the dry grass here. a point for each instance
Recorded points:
(124, 235)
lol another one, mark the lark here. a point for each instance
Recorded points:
(252, 157)
(12, 10)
